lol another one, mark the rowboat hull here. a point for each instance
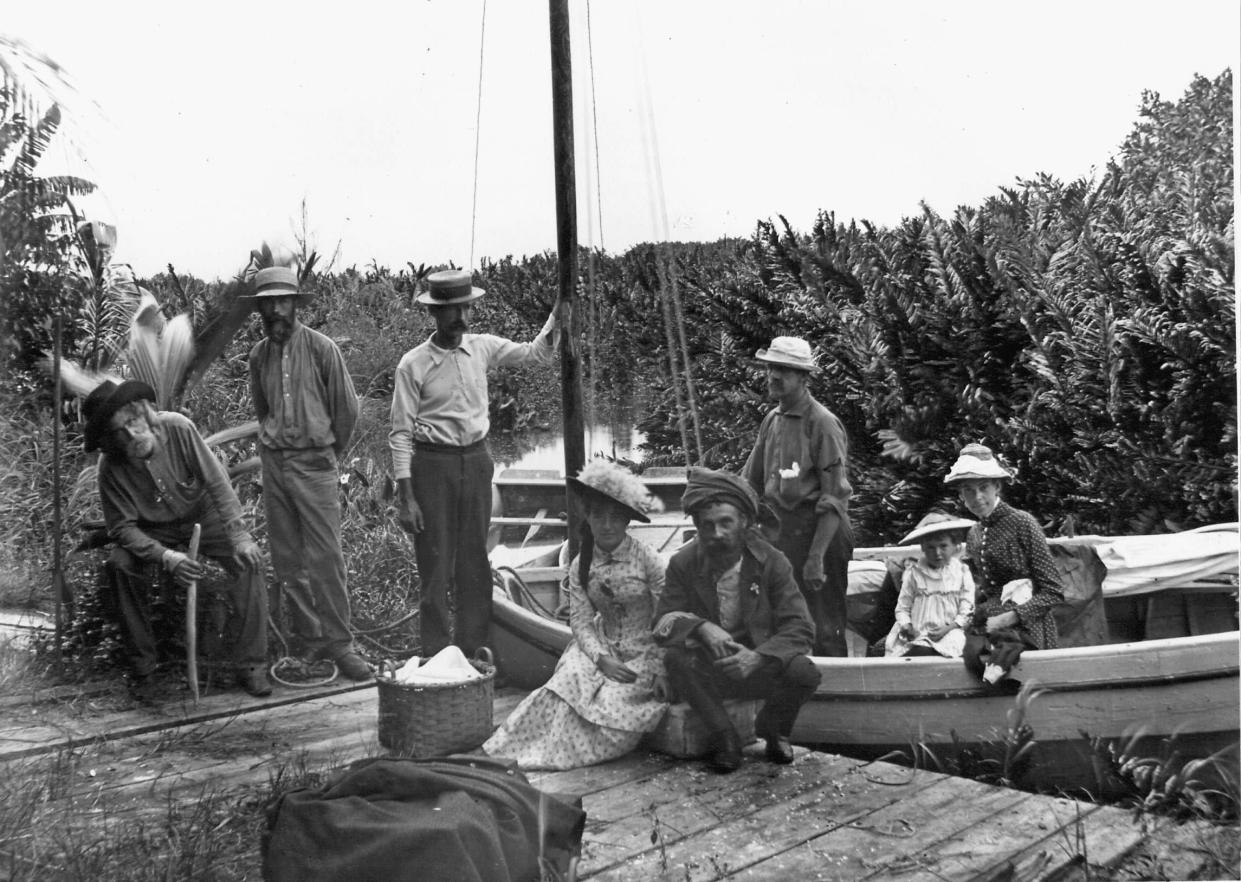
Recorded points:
(1148, 696)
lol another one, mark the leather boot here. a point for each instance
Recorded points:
(725, 754)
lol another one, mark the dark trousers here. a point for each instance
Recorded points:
(241, 600)
(301, 495)
(828, 606)
(453, 489)
(694, 679)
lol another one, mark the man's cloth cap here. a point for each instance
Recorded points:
(791, 352)
(707, 486)
(103, 402)
(935, 522)
(977, 461)
(449, 288)
(605, 480)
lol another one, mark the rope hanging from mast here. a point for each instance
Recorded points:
(674, 316)
(478, 122)
(592, 300)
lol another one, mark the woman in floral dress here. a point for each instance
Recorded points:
(607, 689)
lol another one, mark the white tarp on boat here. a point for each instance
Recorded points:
(1141, 564)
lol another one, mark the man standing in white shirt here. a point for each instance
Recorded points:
(441, 462)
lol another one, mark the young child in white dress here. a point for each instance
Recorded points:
(937, 592)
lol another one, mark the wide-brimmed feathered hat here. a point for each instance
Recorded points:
(935, 522)
(449, 288)
(104, 401)
(977, 461)
(606, 480)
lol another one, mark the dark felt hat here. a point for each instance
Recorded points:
(104, 401)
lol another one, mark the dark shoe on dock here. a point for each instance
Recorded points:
(354, 667)
(254, 680)
(725, 755)
(779, 750)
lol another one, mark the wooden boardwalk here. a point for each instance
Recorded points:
(648, 816)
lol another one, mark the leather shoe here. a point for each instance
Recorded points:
(725, 755)
(254, 680)
(779, 750)
(353, 666)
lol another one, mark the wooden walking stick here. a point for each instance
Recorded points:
(191, 619)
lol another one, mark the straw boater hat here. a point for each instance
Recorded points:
(279, 281)
(103, 402)
(606, 480)
(791, 352)
(449, 288)
(935, 522)
(977, 461)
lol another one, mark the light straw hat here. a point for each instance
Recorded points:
(977, 461)
(935, 522)
(792, 352)
(449, 288)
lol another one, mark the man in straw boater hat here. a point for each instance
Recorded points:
(440, 459)
(306, 406)
(733, 622)
(800, 468)
(157, 478)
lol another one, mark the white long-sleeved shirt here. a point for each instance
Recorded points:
(440, 395)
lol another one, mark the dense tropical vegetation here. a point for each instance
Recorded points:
(1084, 329)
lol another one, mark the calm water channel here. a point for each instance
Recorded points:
(544, 448)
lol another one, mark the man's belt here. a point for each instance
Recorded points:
(432, 447)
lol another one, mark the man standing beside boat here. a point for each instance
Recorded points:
(441, 462)
(306, 407)
(733, 622)
(799, 466)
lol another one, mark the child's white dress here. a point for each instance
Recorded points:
(933, 598)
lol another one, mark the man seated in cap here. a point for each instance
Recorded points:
(733, 622)
(440, 459)
(304, 399)
(156, 480)
(800, 467)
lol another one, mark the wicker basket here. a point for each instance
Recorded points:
(424, 720)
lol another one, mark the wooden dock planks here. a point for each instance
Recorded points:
(649, 816)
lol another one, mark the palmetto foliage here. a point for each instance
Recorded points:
(1084, 329)
(37, 223)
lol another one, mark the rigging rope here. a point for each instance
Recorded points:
(666, 267)
(591, 262)
(478, 121)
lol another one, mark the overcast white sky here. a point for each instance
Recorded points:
(214, 122)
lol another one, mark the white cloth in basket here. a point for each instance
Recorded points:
(449, 665)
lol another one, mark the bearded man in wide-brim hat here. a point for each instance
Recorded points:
(307, 408)
(157, 478)
(733, 623)
(441, 462)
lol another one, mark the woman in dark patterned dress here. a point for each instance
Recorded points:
(1019, 586)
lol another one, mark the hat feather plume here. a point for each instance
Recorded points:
(77, 380)
(160, 350)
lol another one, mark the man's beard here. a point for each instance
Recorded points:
(278, 329)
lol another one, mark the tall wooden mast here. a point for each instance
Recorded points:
(566, 247)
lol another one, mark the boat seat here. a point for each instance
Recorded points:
(681, 733)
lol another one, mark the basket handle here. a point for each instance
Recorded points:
(388, 668)
(484, 655)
